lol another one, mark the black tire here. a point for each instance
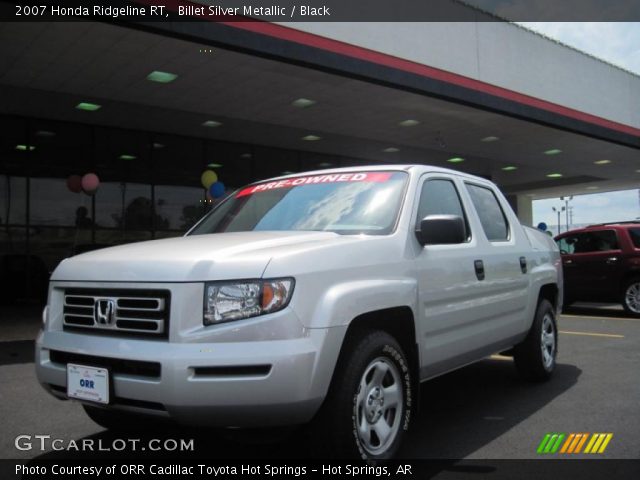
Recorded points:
(120, 421)
(629, 300)
(361, 364)
(529, 356)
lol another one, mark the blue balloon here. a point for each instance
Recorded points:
(217, 190)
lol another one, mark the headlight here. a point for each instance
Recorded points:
(226, 301)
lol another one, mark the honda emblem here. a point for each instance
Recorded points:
(104, 311)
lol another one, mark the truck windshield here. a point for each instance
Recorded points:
(345, 203)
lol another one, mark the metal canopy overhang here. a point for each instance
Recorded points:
(250, 79)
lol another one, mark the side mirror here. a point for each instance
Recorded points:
(441, 229)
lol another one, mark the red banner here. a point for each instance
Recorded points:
(315, 179)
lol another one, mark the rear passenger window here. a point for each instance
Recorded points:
(440, 197)
(494, 223)
(600, 241)
(634, 233)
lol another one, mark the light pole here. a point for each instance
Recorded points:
(566, 209)
(558, 210)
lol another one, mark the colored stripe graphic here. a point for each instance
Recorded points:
(591, 442)
(550, 443)
(556, 446)
(581, 443)
(568, 442)
(604, 445)
(573, 443)
(543, 443)
(598, 443)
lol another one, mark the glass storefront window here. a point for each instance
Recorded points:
(167, 234)
(53, 244)
(110, 237)
(15, 148)
(150, 188)
(13, 200)
(232, 162)
(23, 275)
(13, 240)
(125, 206)
(61, 149)
(176, 160)
(122, 155)
(274, 162)
(178, 208)
(52, 203)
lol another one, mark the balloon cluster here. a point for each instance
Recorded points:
(88, 183)
(214, 187)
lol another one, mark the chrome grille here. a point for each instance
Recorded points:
(121, 312)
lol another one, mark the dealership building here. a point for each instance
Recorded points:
(148, 107)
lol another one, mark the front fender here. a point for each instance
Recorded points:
(338, 306)
(343, 302)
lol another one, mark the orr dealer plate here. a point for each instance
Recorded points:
(88, 383)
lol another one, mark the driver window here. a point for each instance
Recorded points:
(598, 241)
(567, 245)
(440, 197)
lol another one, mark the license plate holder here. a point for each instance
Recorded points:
(88, 383)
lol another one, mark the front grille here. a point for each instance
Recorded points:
(117, 311)
(116, 365)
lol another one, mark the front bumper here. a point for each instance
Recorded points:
(193, 386)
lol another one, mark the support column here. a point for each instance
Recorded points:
(523, 206)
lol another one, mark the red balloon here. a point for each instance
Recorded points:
(90, 183)
(74, 183)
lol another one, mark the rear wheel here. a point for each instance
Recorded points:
(631, 297)
(368, 407)
(535, 357)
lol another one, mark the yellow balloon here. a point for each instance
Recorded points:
(208, 178)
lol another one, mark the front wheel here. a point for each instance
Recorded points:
(535, 356)
(631, 297)
(368, 407)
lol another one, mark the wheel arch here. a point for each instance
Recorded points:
(338, 404)
(399, 322)
(627, 277)
(550, 292)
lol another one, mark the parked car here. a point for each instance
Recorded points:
(322, 297)
(602, 264)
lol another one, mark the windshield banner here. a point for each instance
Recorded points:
(310, 180)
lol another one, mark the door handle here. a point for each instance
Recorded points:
(523, 264)
(568, 262)
(479, 266)
(611, 260)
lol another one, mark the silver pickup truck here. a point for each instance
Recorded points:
(324, 298)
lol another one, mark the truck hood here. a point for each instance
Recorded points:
(189, 259)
